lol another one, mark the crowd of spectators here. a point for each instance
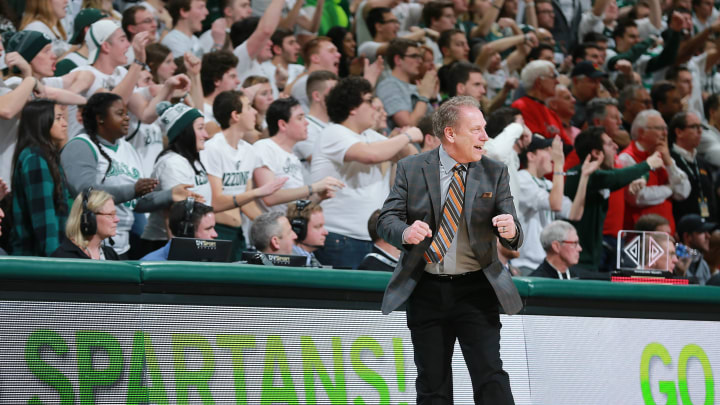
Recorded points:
(277, 124)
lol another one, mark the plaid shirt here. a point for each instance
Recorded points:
(38, 228)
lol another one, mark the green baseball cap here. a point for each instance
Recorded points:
(84, 18)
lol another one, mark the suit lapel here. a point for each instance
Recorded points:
(475, 176)
(431, 172)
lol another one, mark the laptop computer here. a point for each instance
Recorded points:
(200, 250)
(276, 260)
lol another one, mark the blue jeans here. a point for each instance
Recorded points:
(342, 251)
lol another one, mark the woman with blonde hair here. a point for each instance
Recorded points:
(46, 18)
(104, 5)
(259, 92)
(93, 218)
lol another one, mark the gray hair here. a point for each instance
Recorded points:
(640, 121)
(533, 70)
(448, 113)
(628, 93)
(263, 229)
(597, 108)
(554, 231)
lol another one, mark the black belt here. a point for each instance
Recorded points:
(451, 277)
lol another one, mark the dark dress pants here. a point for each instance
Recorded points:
(441, 310)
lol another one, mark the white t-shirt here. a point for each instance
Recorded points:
(126, 169)
(206, 41)
(148, 142)
(172, 169)
(366, 186)
(496, 80)
(179, 43)
(304, 149)
(282, 163)
(251, 67)
(102, 80)
(534, 203)
(299, 91)
(233, 166)
(208, 113)
(55, 82)
(294, 70)
(60, 46)
(147, 139)
(369, 50)
(8, 139)
(77, 59)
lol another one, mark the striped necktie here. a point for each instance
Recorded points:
(452, 212)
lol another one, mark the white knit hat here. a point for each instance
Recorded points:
(174, 118)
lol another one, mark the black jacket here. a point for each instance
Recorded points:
(69, 250)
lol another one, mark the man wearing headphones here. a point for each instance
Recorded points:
(308, 223)
(187, 219)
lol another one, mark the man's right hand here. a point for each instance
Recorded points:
(139, 42)
(415, 134)
(427, 85)
(655, 160)
(416, 233)
(664, 152)
(14, 59)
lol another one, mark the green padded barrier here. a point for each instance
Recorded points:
(67, 270)
(214, 273)
(602, 290)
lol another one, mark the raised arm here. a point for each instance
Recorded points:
(578, 205)
(486, 21)
(266, 27)
(378, 152)
(125, 88)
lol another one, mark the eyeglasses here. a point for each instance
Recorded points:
(109, 214)
(554, 75)
(573, 243)
(415, 56)
(694, 126)
(661, 128)
(145, 21)
(390, 22)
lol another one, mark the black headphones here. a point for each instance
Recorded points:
(88, 220)
(186, 226)
(299, 223)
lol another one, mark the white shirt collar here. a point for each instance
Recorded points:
(685, 154)
(560, 274)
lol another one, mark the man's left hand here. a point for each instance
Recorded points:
(505, 224)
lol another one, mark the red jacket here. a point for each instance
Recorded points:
(540, 119)
(656, 177)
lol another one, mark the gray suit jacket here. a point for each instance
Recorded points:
(416, 196)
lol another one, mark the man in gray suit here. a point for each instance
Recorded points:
(444, 213)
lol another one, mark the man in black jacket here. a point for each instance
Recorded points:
(562, 247)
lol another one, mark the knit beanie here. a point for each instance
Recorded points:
(27, 43)
(175, 118)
